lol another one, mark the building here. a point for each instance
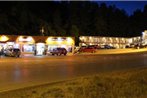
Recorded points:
(118, 42)
(144, 37)
(39, 45)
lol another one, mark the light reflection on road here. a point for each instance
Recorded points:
(20, 72)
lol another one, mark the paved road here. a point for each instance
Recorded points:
(29, 71)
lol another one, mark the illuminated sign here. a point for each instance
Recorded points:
(4, 38)
(60, 40)
(25, 39)
(56, 39)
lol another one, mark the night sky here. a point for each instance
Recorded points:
(128, 6)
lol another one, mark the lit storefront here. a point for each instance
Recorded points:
(66, 42)
(40, 49)
(3, 40)
(26, 44)
(40, 46)
(7, 42)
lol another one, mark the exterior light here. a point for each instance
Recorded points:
(110, 39)
(130, 40)
(4, 38)
(104, 39)
(49, 40)
(142, 33)
(27, 39)
(40, 44)
(10, 43)
(59, 39)
(83, 37)
(69, 40)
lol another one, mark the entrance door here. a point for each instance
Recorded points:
(40, 48)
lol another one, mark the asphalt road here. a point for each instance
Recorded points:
(28, 71)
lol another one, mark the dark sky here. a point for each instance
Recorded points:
(128, 6)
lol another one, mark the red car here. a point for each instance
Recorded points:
(87, 49)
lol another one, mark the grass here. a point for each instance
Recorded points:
(122, 84)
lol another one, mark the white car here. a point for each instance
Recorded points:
(14, 52)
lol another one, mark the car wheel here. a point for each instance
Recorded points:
(64, 53)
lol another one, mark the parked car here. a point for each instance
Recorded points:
(87, 49)
(14, 52)
(108, 47)
(138, 46)
(94, 46)
(59, 51)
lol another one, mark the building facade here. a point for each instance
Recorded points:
(38, 44)
(117, 42)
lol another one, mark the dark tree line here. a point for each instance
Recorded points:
(69, 19)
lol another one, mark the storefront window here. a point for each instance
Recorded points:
(28, 48)
(40, 49)
(16, 46)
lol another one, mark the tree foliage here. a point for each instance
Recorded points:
(69, 18)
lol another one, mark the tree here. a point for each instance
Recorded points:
(135, 23)
(75, 32)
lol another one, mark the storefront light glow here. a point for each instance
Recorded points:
(59, 39)
(4, 38)
(28, 39)
(69, 40)
(10, 43)
(130, 40)
(83, 37)
(40, 44)
(142, 33)
(49, 39)
(63, 46)
(16, 45)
